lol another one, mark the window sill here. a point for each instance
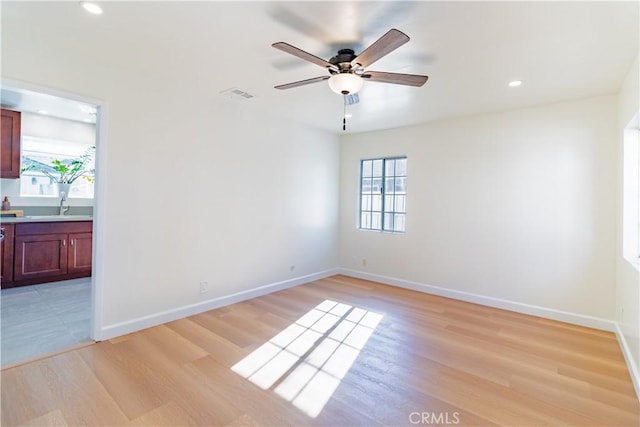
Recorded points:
(634, 262)
(381, 231)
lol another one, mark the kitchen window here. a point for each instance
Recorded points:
(383, 194)
(43, 151)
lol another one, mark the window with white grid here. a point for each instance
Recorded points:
(383, 194)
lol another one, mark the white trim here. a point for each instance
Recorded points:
(534, 310)
(19, 84)
(99, 215)
(547, 313)
(144, 322)
(628, 357)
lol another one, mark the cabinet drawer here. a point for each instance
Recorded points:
(28, 228)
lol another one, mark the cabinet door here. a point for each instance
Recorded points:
(10, 144)
(79, 253)
(40, 256)
(6, 255)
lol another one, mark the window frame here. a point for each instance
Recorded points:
(631, 193)
(384, 195)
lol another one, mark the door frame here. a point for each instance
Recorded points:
(97, 269)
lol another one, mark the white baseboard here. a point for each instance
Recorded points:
(134, 325)
(628, 357)
(144, 322)
(547, 313)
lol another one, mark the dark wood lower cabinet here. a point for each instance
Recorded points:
(51, 251)
(40, 255)
(6, 254)
(80, 253)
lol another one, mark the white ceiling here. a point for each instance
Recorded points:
(469, 50)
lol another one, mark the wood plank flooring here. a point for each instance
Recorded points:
(378, 356)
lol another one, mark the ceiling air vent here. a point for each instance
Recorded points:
(237, 94)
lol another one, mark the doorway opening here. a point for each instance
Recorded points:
(50, 304)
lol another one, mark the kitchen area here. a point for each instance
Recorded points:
(47, 186)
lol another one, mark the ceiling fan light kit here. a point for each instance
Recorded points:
(347, 70)
(345, 83)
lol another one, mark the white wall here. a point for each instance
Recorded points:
(628, 280)
(517, 205)
(220, 193)
(196, 187)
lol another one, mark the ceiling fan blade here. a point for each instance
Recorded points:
(286, 47)
(302, 82)
(395, 78)
(389, 42)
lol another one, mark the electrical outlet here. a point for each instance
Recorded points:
(204, 287)
(291, 268)
(364, 262)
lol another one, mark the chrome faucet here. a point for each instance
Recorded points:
(63, 198)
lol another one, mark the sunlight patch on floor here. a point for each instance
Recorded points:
(306, 361)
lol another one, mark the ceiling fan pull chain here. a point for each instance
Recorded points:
(344, 117)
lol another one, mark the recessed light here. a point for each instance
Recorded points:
(43, 112)
(348, 115)
(92, 8)
(515, 83)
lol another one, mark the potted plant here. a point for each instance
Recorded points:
(65, 172)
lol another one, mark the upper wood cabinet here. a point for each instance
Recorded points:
(10, 149)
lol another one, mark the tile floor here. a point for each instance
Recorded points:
(42, 319)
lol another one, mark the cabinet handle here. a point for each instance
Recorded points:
(71, 241)
(64, 242)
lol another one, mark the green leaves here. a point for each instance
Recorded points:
(66, 172)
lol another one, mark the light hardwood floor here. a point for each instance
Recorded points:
(336, 352)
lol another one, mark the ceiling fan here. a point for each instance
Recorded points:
(347, 70)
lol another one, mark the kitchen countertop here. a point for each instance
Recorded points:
(46, 218)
